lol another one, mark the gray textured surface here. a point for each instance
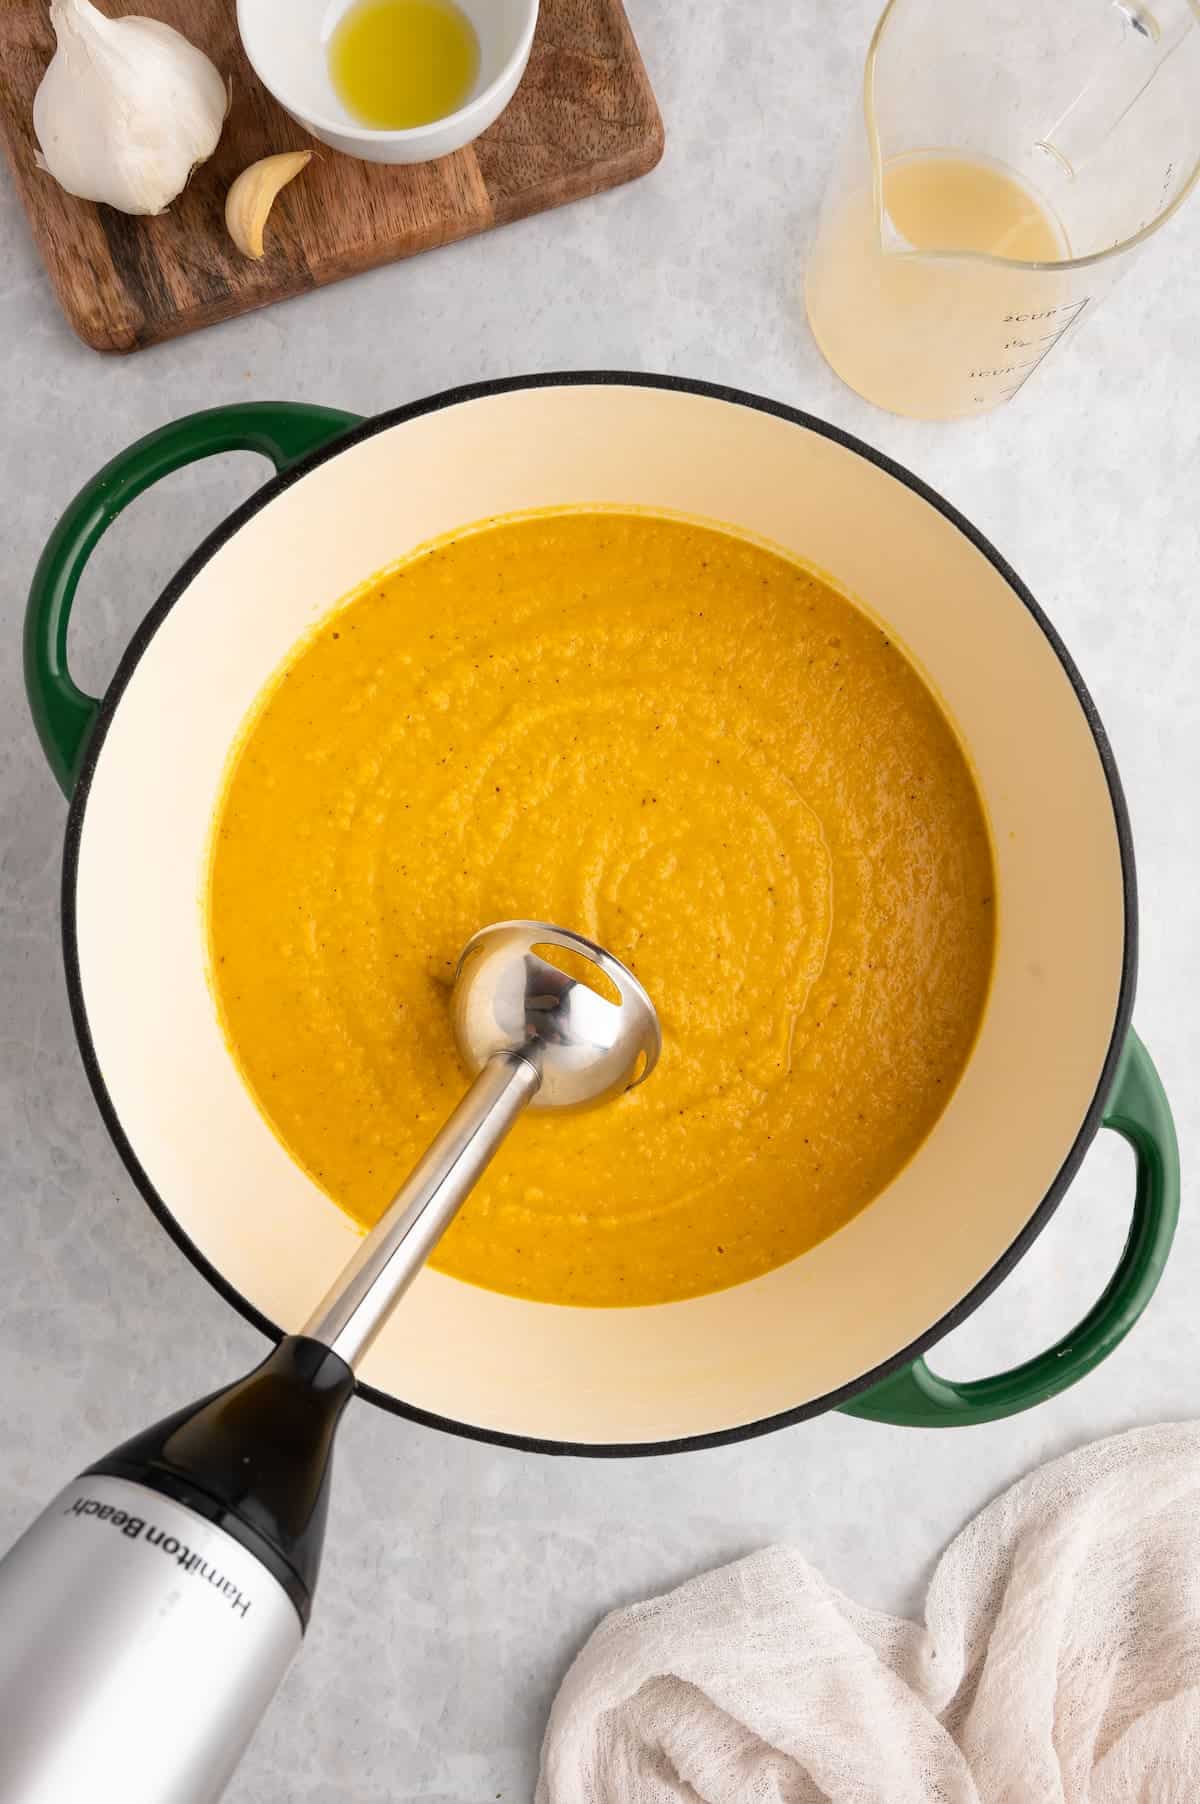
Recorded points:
(460, 1579)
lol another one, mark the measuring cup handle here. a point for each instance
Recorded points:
(282, 431)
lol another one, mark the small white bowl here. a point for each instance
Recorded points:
(287, 42)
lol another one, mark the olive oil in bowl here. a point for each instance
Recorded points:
(401, 63)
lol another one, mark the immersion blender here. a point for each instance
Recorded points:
(149, 1614)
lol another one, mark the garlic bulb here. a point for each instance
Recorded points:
(126, 109)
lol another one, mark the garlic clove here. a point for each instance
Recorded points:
(126, 109)
(249, 201)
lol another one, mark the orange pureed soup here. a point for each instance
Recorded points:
(682, 744)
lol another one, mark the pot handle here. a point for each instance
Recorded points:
(1138, 1110)
(283, 431)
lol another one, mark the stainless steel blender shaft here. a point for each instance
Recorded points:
(532, 1033)
(355, 1308)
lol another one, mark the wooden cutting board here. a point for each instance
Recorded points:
(584, 119)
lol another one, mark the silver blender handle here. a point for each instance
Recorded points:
(149, 1614)
(139, 1647)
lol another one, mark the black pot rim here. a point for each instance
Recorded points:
(397, 416)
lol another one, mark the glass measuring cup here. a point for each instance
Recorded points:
(1011, 159)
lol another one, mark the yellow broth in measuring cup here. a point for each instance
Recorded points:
(915, 327)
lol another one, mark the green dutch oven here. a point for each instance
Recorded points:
(848, 1324)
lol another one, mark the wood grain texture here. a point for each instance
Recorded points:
(584, 119)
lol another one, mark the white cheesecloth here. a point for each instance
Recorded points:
(1059, 1663)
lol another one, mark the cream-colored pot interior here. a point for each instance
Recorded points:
(685, 1369)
